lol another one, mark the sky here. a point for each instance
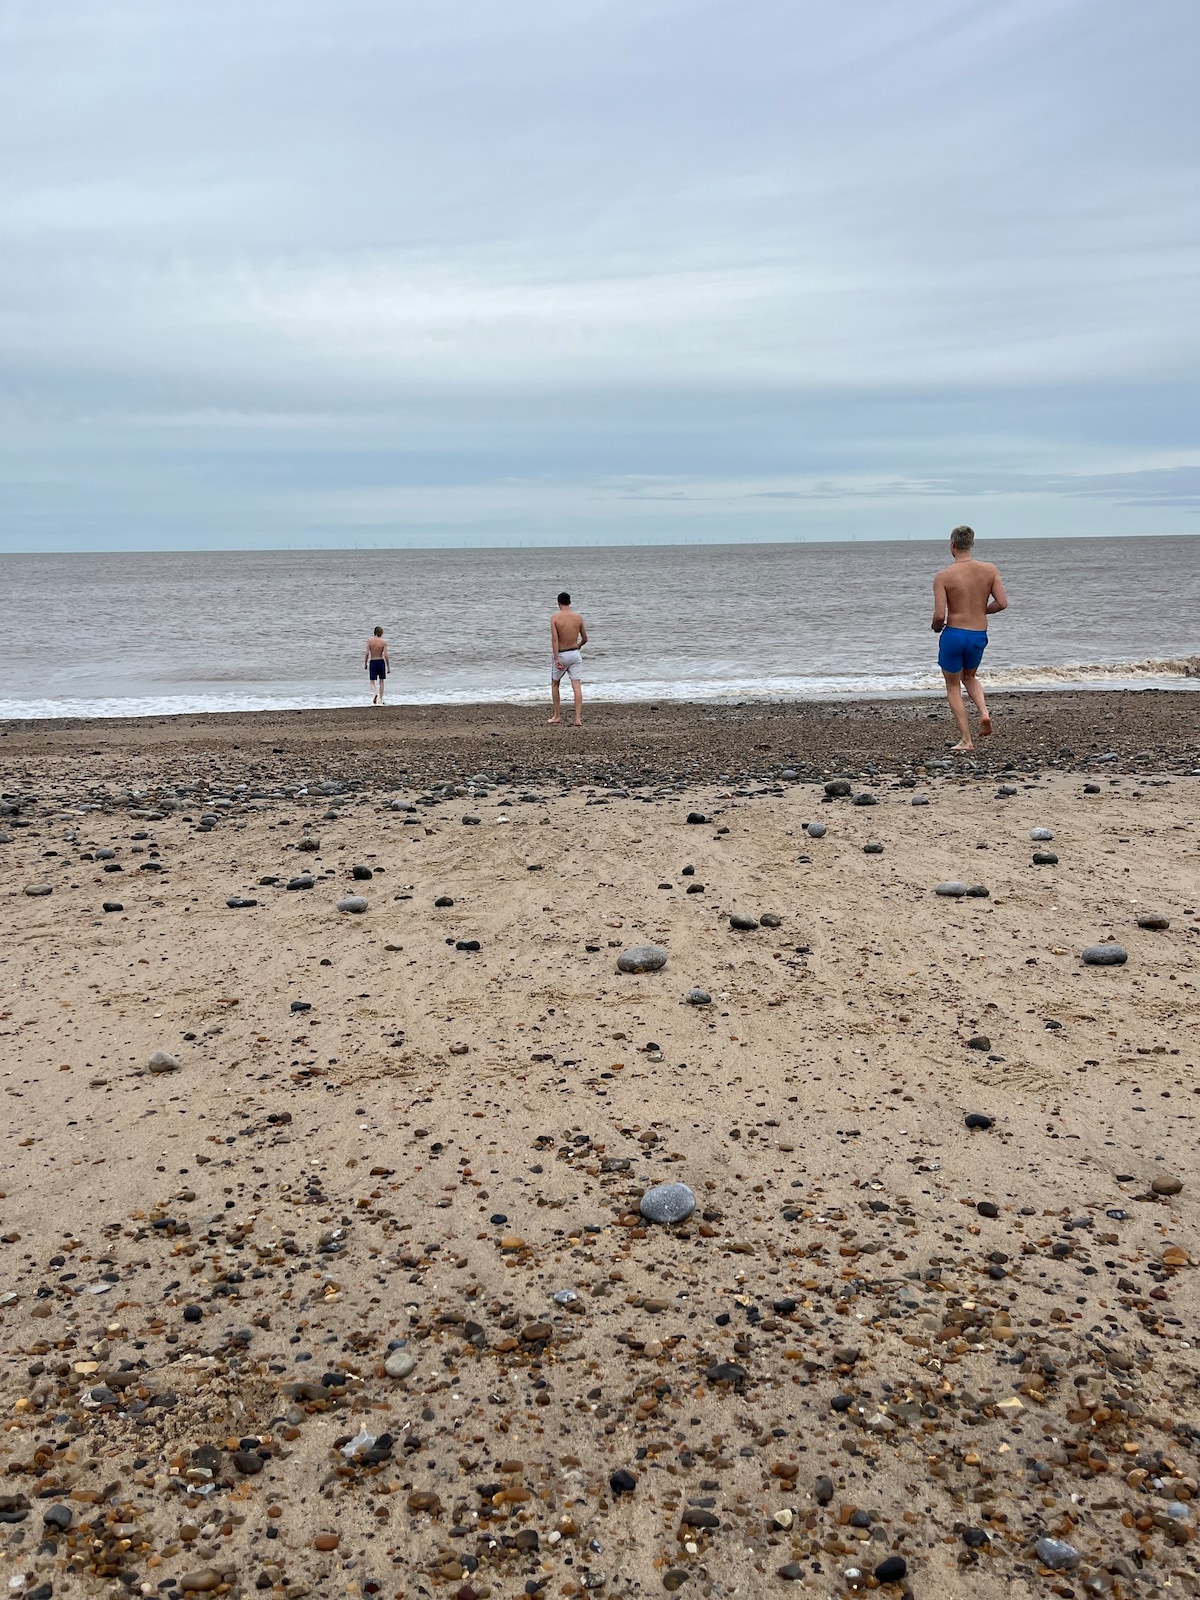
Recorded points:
(402, 272)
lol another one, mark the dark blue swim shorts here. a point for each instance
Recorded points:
(961, 649)
(378, 668)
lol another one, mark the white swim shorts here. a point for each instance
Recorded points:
(572, 666)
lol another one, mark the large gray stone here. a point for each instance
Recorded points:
(642, 958)
(1105, 955)
(354, 903)
(668, 1202)
(951, 890)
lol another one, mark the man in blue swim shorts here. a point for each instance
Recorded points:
(965, 595)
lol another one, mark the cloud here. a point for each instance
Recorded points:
(930, 243)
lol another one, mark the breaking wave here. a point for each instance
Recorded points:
(1112, 672)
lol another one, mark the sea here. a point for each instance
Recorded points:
(124, 635)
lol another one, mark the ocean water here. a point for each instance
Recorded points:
(145, 634)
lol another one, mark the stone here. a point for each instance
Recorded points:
(866, 798)
(326, 1541)
(201, 1582)
(978, 1120)
(696, 818)
(784, 1518)
(1105, 955)
(668, 1202)
(988, 1208)
(979, 891)
(400, 1363)
(770, 920)
(537, 1332)
(1057, 1554)
(1041, 835)
(698, 997)
(726, 1372)
(471, 821)
(697, 1517)
(838, 789)
(443, 901)
(791, 1571)
(467, 944)
(193, 1313)
(674, 1578)
(815, 830)
(742, 923)
(823, 1490)
(1045, 858)
(37, 890)
(248, 1462)
(60, 1517)
(1166, 1186)
(1091, 788)
(622, 1482)
(1005, 791)
(361, 874)
(979, 1041)
(642, 958)
(310, 844)
(874, 848)
(237, 902)
(951, 890)
(893, 1570)
(301, 882)
(298, 1006)
(1154, 921)
(161, 1061)
(355, 904)
(112, 905)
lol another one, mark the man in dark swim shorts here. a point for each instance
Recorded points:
(376, 662)
(965, 595)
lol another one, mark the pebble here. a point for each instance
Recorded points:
(770, 920)
(161, 1061)
(979, 891)
(920, 799)
(1091, 788)
(791, 1571)
(864, 799)
(1005, 791)
(979, 1041)
(326, 1541)
(642, 958)
(35, 890)
(978, 1119)
(823, 1490)
(873, 849)
(668, 1202)
(951, 890)
(988, 1208)
(361, 874)
(356, 904)
(698, 997)
(1045, 858)
(1056, 1554)
(1105, 955)
(784, 1518)
(471, 821)
(742, 923)
(696, 818)
(400, 1363)
(60, 1517)
(1154, 921)
(815, 830)
(201, 1582)
(1041, 835)
(892, 1570)
(302, 882)
(622, 1481)
(674, 1578)
(467, 944)
(1166, 1186)
(443, 901)
(838, 789)
(112, 905)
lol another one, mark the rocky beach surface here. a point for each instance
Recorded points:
(387, 1208)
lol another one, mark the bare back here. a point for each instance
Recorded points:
(376, 648)
(967, 587)
(567, 630)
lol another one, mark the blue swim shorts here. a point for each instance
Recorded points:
(377, 668)
(961, 649)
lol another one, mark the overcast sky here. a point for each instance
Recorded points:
(325, 272)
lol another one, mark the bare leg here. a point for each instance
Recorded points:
(374, 683)
(958, 710)
(554, 700)
(975, 689)
(382, 683)
(577, 690)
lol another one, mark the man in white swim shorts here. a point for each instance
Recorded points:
(568, 635)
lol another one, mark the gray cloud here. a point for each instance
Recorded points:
(292, 272)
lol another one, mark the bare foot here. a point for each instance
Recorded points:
(985, 727)
(552, 720)
(579, 724)
(961, 747)
(375, 700)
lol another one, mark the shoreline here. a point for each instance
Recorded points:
(680, 741)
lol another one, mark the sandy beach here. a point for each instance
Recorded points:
(936, 1302)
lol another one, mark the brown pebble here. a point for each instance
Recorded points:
(326, 1541)
(1166, 1186)
(200, 1582)
(274, 1512)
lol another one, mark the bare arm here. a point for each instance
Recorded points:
(582, 632)
(367, 655)
(998, 600)
(554, 641)
(387, 660)
(940, 604)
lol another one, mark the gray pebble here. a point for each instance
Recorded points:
(979, 1041)
(470, 821)
(1105, 955)
(789, 775)
(873, 849)
(1041, 835)
(1154, 920)
(816, 830)
(400, 1363)
(642, 958)
(1056, 1554)
(668, 1202)
(770, 920)
(302, 882)
(1045, 858)
(920, 799)
(866, 798)
(354, 903)
(35, 890)
(1005, 791)
(698, 997)
(112, 905)
(838, 789)
(161, 1061)
(742, 923)
(979, 891)
(361, 874)
(951, 890)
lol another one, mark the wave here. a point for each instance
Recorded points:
(1106, 673)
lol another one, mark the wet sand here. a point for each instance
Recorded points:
(367, 1131)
